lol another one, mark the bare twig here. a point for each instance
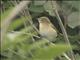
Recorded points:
(29, 18)
(63, 29)
(5, 23)
(66, 56)
(12, 51)
(25, 13)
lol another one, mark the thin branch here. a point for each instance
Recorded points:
(22, 56)
(29, 18)
(5, 23)
(17, 32)
(63, 29)
(25, 13)
(66, 56)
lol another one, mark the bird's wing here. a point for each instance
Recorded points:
(53, 27)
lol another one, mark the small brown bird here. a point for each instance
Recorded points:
(47, 30)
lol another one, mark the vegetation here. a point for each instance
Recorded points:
(20, 36)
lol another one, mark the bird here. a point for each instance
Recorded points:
(47, 29)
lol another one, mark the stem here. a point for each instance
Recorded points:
(63, 29)
(5, 23)
(30, 19)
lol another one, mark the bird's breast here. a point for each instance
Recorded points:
(47, 31)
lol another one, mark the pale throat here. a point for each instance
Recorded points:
(44, 25)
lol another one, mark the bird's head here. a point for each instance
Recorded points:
(44, 20)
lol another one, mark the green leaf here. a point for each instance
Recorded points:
(49, 8)
(16, 23)
(74, 19)
(6, 13)
(36, 8)
(40, 43)
(21, 38)
(7, 43)
(70, 6)
(77, 56)
(75, 4)
(39, 2)
(50, 52)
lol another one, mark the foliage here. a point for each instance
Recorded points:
(22, 41)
